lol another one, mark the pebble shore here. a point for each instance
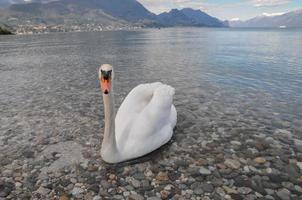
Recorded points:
(228, 165)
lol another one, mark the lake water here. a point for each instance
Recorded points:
(229, 82)
(220, 75)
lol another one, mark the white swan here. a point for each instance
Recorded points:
(143, 123)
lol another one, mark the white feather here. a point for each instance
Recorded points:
(145, 120)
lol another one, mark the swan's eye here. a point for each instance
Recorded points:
(106, 74)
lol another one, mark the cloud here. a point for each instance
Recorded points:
(262, 3)
(159, 6)
(235, 19)
(272, 14)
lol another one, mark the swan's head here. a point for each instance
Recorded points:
(106, 77)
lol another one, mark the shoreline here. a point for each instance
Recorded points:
(161, 28)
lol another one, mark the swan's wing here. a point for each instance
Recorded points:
(137, 99)
(159, 113)
(153, 126)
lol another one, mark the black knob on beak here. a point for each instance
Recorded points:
(106, 74)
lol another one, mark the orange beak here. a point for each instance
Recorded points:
(105, 85)
(105, 77)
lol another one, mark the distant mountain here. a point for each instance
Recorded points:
(173, 18)
(79, 15)
(188, 17)
(291, 20)
(129, 10)
(68, 12)
(202, 18)
(4, 3)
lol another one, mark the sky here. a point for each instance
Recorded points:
(227, 9)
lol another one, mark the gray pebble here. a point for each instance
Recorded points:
(283, 194)
(77, 191)
(204, 171)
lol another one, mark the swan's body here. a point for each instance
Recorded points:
(143, 123)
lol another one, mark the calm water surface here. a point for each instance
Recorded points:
(225, 79)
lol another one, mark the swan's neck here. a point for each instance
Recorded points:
(109, 149)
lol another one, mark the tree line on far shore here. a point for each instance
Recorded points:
(5, 31)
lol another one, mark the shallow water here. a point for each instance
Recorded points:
(220, 76)
(227, 81)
